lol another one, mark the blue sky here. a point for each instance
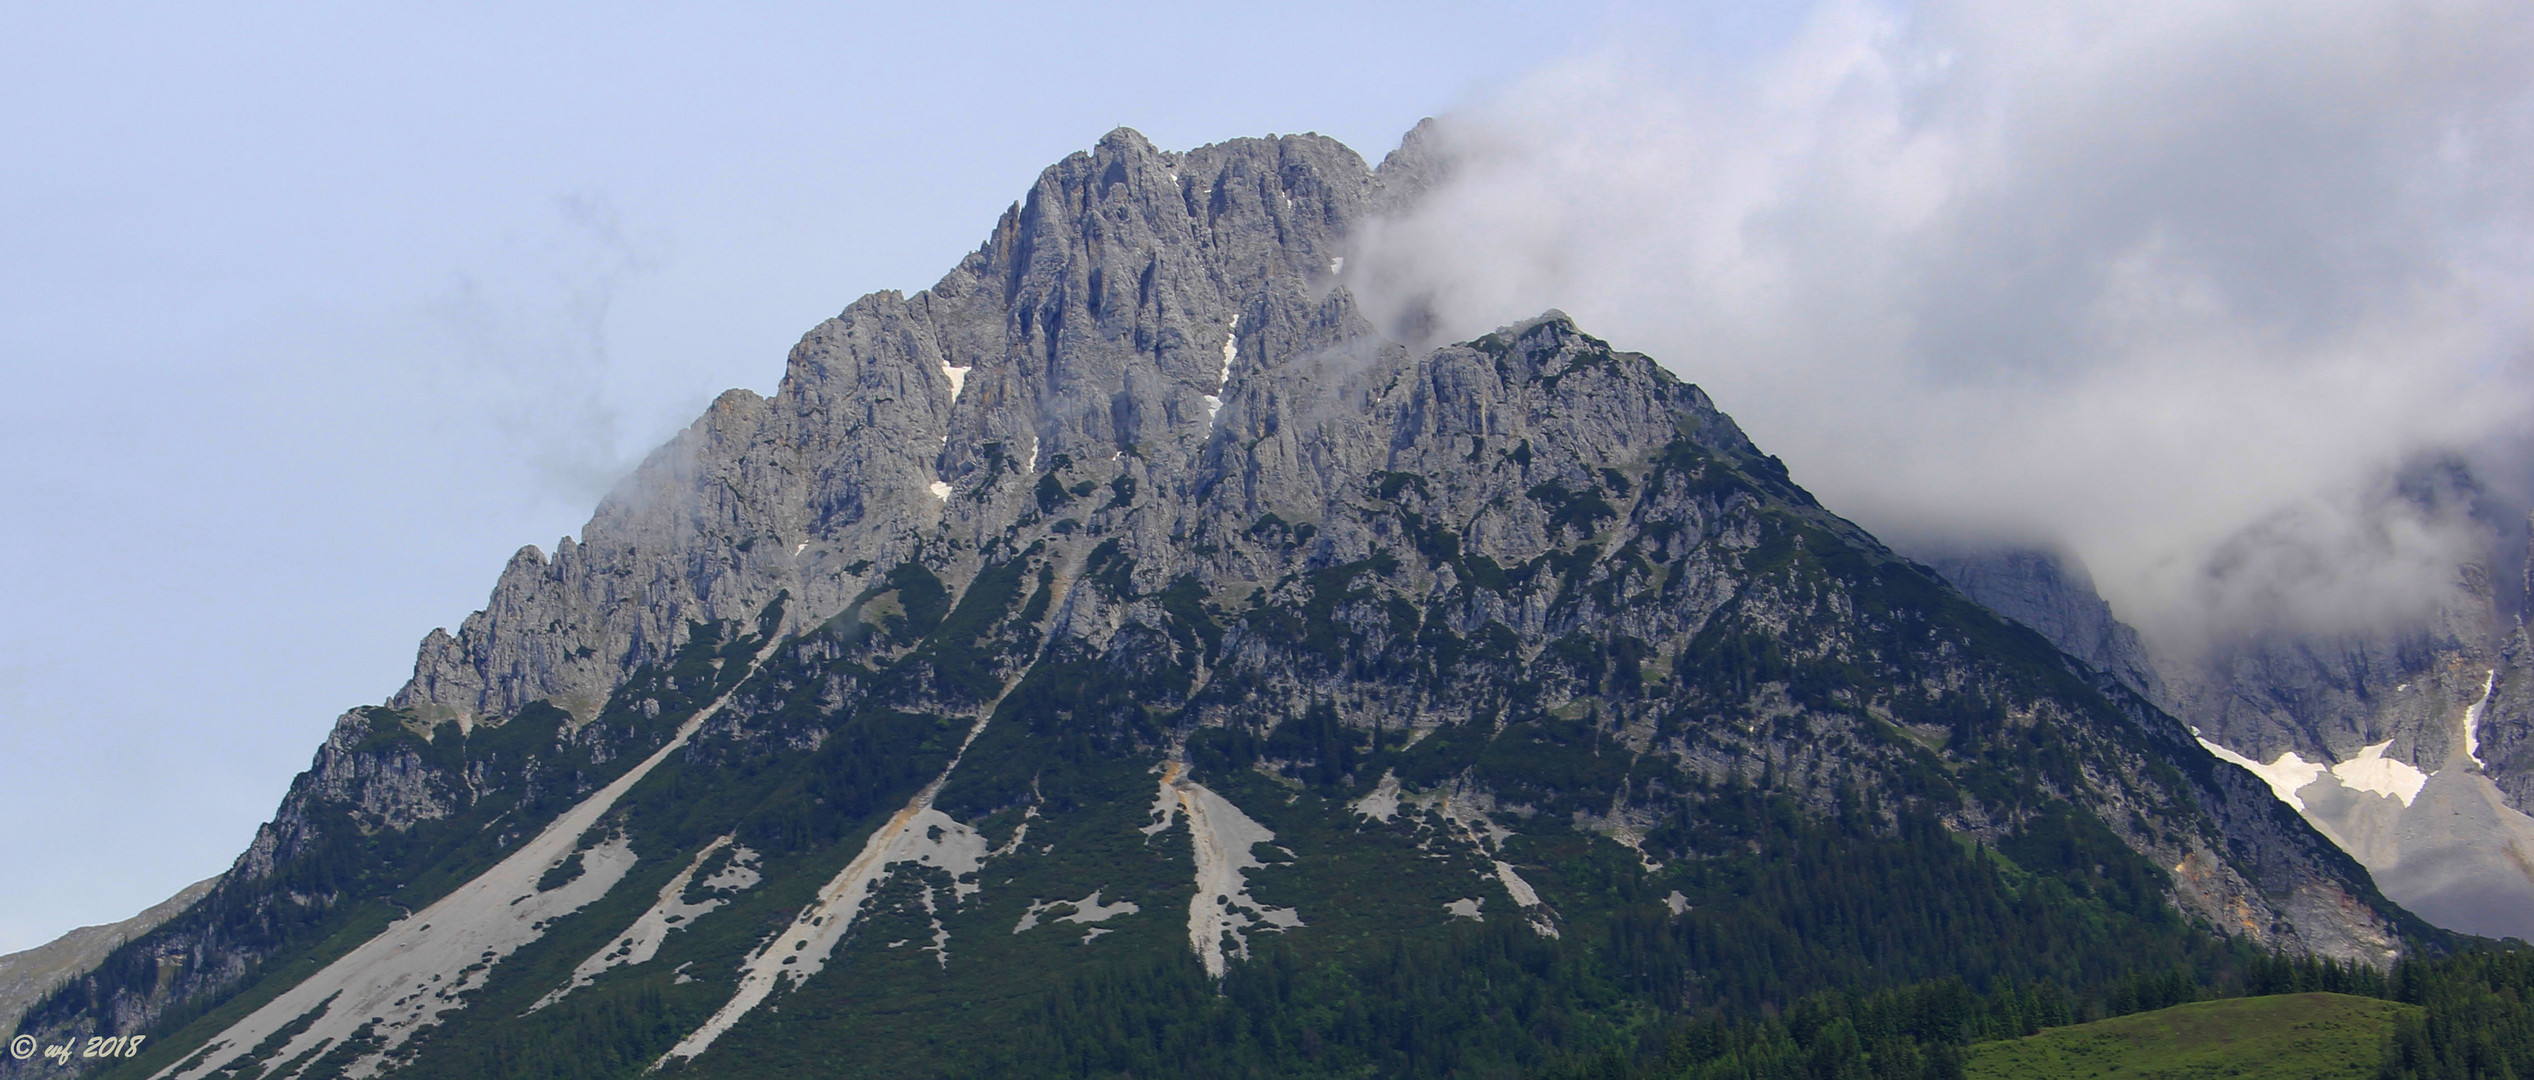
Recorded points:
(310, 315)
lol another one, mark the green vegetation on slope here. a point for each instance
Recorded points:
(1927, 1030)
(2477, 1018)
(2465, 1016)
(2286, 1037)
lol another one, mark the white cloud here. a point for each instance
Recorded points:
(2132, 276)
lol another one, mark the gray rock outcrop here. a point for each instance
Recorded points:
(2052, 592)
(1103, 319)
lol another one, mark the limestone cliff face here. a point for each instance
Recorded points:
(2330, 697)
(2500, 739)
(1103, 317)
(2052, 592)
(2404, 673)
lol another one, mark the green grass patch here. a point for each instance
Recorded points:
(2286, 1036)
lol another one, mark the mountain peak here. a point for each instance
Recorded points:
(1129, 581)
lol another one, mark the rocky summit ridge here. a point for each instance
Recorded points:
(1119, 307)
(1124, 627)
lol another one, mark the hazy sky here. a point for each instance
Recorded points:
(310, 316)
(309, 319)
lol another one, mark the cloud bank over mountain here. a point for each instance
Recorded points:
(2188, 286)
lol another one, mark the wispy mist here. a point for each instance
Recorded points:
(524, 354)
(2178, 284)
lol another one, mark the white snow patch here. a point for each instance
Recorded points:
(1033, 456)
(1679, 904)
(1383, 803)
(958, 379)
(422, 966)
(1086, 910)
(2372, 772)
(1337, 265)
(915, 834)
(1231, 352)
(1467, 908)
(2286, 776)
(2472, 718)
(640, 942)
(800, 547)
(1222, 836)
(940, 490)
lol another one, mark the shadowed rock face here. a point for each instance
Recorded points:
(2405, 744)
(2505, 735)
(2329, 698)
(2268, 685)
(2054, 594)
(2404, 674)
(1136, 491)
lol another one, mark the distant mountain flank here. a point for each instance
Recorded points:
(26, 976)
(1122, 658)
(2403, 744)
